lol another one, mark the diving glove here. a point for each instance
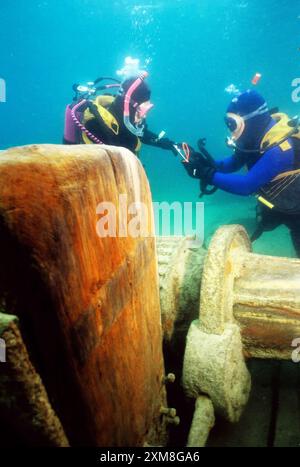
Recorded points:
(198, 167)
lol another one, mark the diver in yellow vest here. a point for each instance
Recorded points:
(118, 120)
(269, 146)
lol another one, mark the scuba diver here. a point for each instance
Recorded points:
(267, 143)
(119, 119)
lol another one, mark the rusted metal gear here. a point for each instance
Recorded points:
(180, 265)
(214, 363)
(249, 307)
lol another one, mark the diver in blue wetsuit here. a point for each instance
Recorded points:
(268, 145)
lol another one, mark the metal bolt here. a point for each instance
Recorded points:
(170, 378)
(170, 412)
(172, 421)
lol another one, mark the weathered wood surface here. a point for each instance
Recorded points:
(88, 306)
(25, 409)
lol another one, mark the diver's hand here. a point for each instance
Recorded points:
(198, 167)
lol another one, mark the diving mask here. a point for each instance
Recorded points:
(236, 123)
(142, 111)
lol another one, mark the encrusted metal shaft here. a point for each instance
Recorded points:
(249, 307)
(180, 264)
(266, 304)
(261, 294)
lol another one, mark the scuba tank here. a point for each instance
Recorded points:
(75, 131)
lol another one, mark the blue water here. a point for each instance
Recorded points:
(194, 49)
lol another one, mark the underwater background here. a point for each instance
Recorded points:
(193, 50)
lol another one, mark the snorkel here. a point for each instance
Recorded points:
(135, 96)
(139, 129)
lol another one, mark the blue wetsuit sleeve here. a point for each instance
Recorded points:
(272, 163)
(230, 164)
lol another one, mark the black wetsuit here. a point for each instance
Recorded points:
(124, 137)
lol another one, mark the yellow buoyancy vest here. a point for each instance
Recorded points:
(102, 103)
(279, 133)
(282, 188)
